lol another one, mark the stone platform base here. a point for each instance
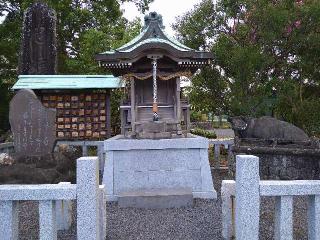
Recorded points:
(132, 165)
(157, 198)
(158, 130)
(282, 161)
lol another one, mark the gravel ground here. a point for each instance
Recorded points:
(203, 221)
(198, 222)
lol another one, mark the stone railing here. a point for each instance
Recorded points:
(217, 144)
(241, 203)
(88, 195)
(6, 147)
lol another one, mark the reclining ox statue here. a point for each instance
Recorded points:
(267, 128)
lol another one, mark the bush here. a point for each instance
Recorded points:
(307, 117)
(204, 133)
(224, 125)
(195, 116)
(304, 112)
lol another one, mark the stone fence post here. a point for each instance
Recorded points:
(247, 197)
(9, 220)
(228, 206)
(88, 198)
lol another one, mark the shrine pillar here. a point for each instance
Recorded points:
(178, 99)
(133, 104)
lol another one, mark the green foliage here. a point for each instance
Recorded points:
(84, 28)
(9, 42)
(116, 96)
(4, 106)
(221, 125)
(195, 116)
(193, 27)
(303, 113)
(203, 133)
(266, 59)
(208, 93)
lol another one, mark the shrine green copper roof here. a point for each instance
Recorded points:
(152, 33)
(153, 42)
(56, 82)
(156, 40)
(140, 40)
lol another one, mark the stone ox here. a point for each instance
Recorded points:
(267, 128)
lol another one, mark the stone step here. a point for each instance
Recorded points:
(156, 198)
(162, 135)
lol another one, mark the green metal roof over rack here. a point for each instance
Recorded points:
(56, 82)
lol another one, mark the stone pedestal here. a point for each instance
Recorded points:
(158, 130)
(135, 165)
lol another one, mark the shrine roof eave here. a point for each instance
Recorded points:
(158, 47)
(153, 40)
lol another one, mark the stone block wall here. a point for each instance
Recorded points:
(285, 166)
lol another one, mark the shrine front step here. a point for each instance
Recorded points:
(156, 198)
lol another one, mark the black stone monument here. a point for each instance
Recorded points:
(39, 45)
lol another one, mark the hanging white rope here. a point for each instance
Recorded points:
(155, 91)
(155, 86)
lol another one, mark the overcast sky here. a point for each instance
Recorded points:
(169, 9)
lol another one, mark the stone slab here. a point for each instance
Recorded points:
(289, 188)
(157, 198)
(157, 164)
(154, 136)
(207, 191)
(64, 214)
(228, 205)
(88, 227)
(156, 160)
(283, 221)
(102, 213)
(247, 197)
(64, 210)
(314, 217)
(47, 220)
(32, 125)
(124, 181)
(37, 192)
(108, 176)
(152, 127)
(192, 142)
(205, 194)
(9, 224)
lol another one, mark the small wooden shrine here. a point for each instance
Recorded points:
(152, 65)
(82, 103)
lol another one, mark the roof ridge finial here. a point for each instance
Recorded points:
(153, 17)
